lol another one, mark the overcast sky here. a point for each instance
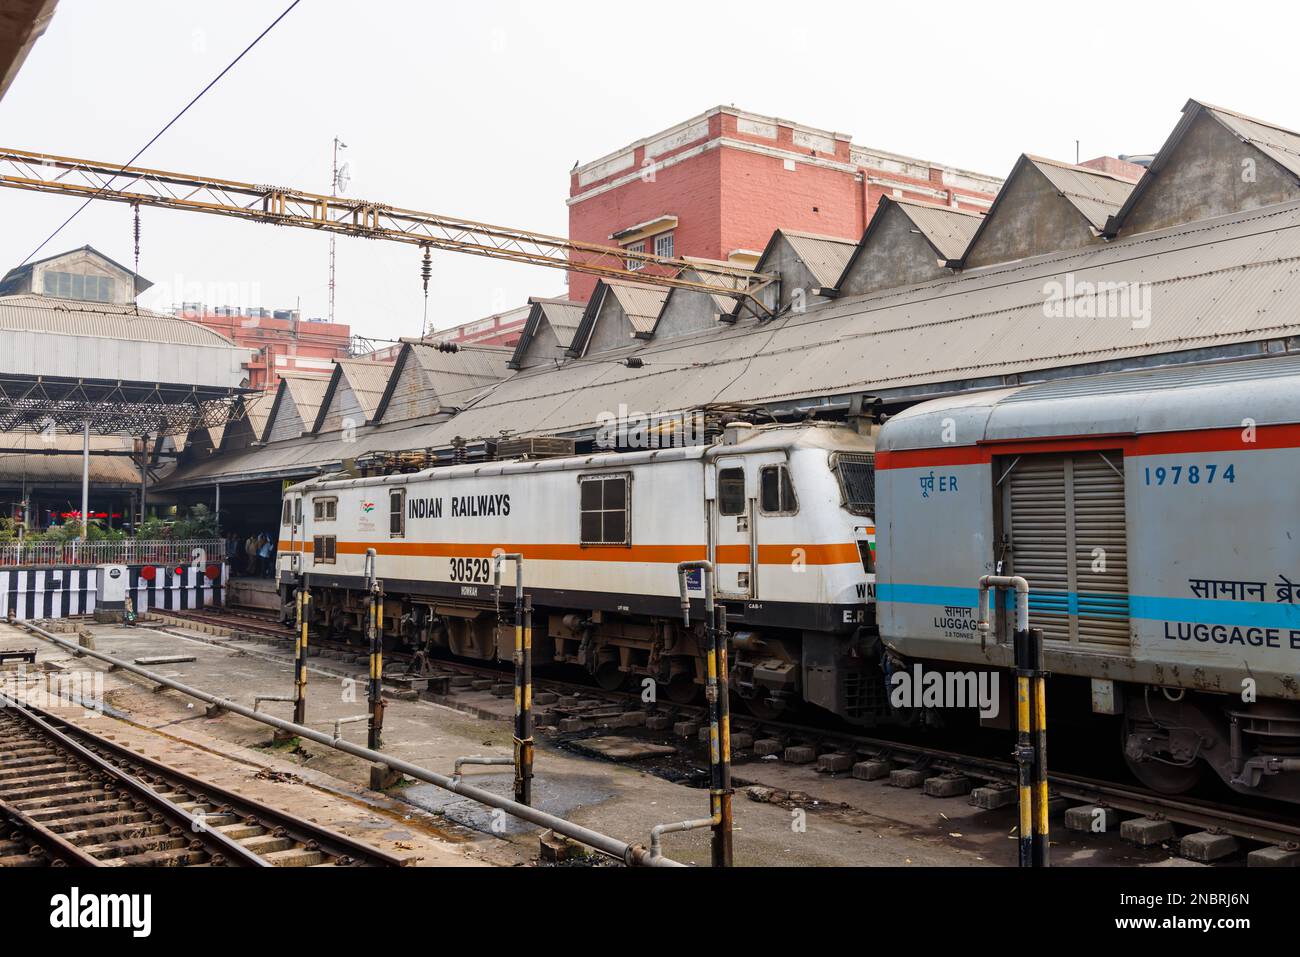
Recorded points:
(480, 109)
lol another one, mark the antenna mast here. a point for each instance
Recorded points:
(335, 187)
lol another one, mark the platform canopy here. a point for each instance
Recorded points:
(44, 404)
(66, 363)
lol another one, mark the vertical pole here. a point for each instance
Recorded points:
(722, 853)
(300, 655)
(1024, 753)
(85, 480)
(376, 689)
(1042, 845)
(524, 699)
(216, 509)
(144, 476)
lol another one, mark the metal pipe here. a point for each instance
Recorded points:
(354, 719)
(478, 759)
(630, 854)
(1021, 587)
(657, 832)
(258, 699)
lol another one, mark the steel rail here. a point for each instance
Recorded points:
(330, 843)
(218, 844)
(60, 848)
(630, 854)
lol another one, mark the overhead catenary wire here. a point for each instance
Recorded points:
(168, 125)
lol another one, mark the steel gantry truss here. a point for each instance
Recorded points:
(45, 404)
(89, 179)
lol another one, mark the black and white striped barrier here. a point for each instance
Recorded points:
(28, 593)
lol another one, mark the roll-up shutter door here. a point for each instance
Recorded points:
(1064, 520)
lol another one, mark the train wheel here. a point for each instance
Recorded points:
(682, 689)
(609, 677)
(1161, 776)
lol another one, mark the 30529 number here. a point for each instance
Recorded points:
(478, 570)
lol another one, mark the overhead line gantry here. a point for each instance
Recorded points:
(284, 206)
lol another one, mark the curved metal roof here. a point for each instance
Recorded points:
(1265, 391)
(74, 317)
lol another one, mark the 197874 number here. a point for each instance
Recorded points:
(1191, 474)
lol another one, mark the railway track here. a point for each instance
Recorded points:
(69, 797)
(1255, 826)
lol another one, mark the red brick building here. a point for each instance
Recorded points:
(717, 185)
(283, 341)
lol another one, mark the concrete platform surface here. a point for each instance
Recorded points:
(804, 819)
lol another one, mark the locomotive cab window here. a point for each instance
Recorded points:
(297, 510)
(775, 491)
(325, 509)
(856, 474)
(286, 516)
(604, 511)
(731, 492)
(323, 549)
(397, 513)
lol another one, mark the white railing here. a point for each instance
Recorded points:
(128, 552)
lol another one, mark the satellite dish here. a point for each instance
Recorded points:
(344, 177)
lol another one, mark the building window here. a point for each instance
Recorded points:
(775, 491)
(323, 549)
(604, 510)
(397, 513)
(731, 492)
(634, 264)
(664, 246)
(72, 285)
(325, 509)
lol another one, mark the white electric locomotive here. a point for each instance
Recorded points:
(1156, 517)
(783, 512)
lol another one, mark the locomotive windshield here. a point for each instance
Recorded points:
(856, 473)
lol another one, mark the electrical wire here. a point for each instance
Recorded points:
(213, 82)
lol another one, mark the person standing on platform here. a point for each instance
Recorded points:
(264, 552)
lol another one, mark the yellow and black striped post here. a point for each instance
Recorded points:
(722, 810)
(523, 662)
(1042, 829)
(717, 690)
(1031, 748)
(300, 654)
(524, 700)
(375, 690)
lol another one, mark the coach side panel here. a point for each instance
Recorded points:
(452, 527)
(1215, 555)
(935, 536)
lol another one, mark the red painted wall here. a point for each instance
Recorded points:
(729, 197)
